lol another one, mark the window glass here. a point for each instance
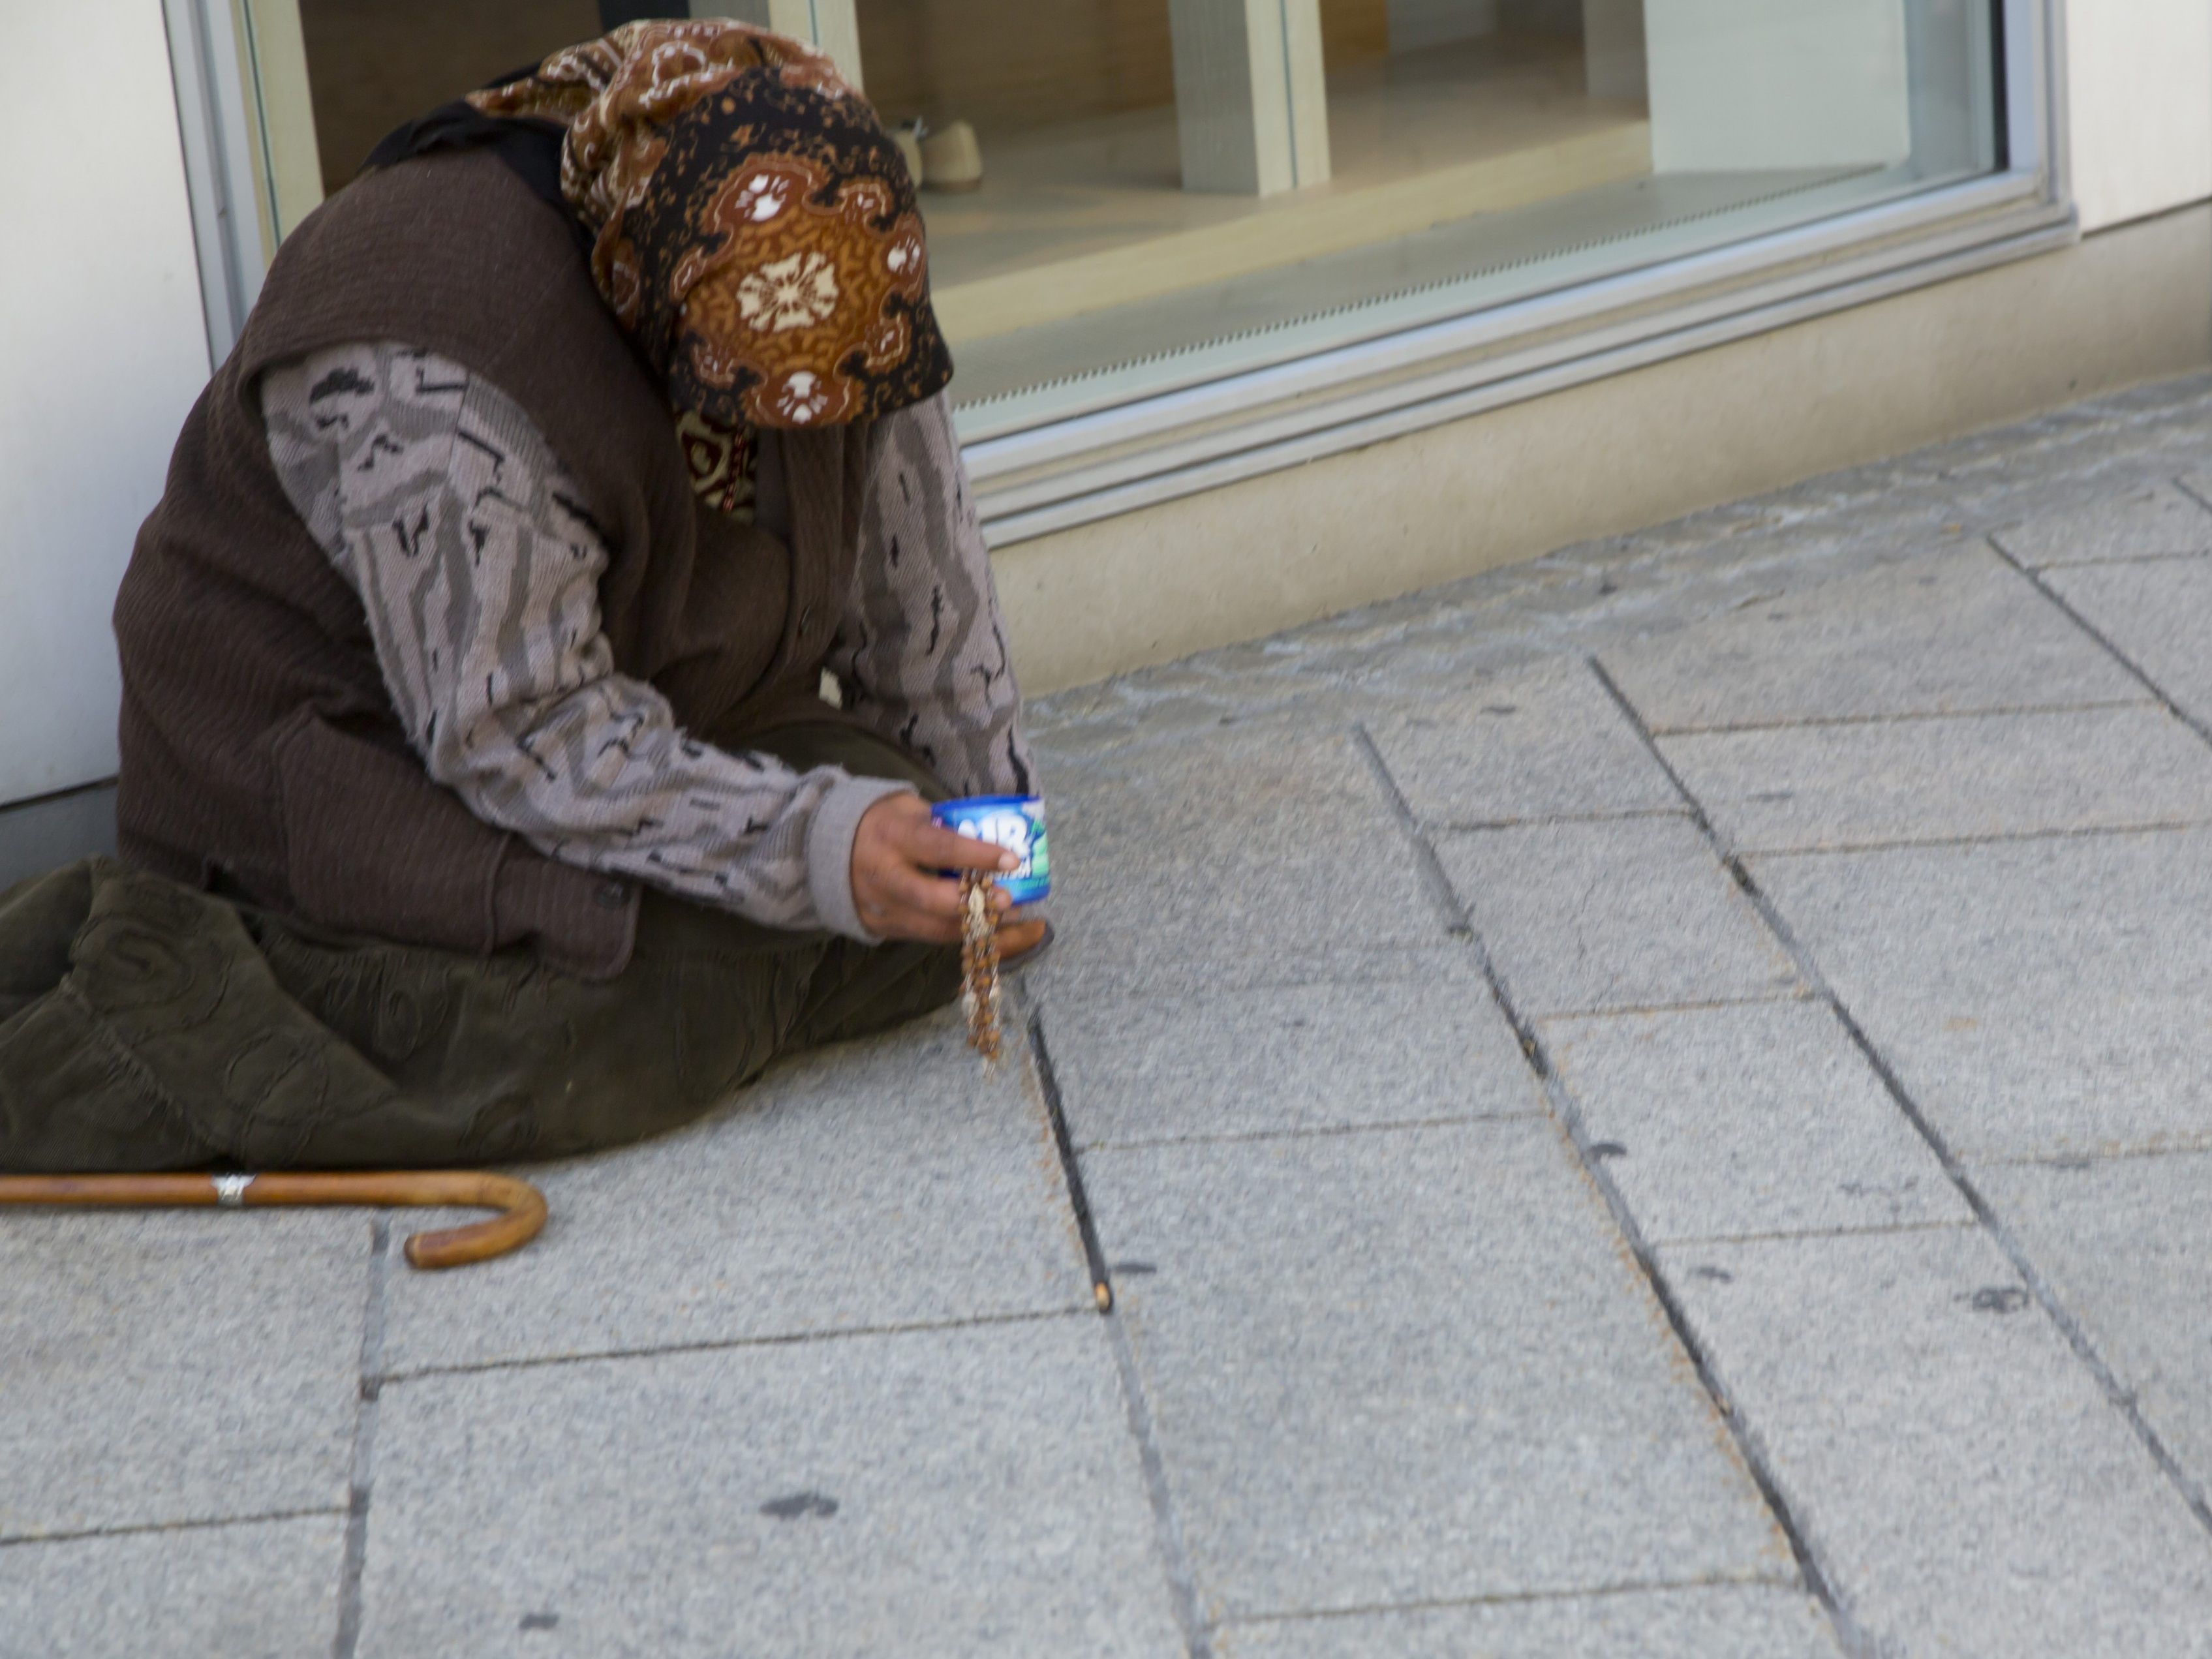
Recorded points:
(1204, 194)
(1124, 196)
(373, 64)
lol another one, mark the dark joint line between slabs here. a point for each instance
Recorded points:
(725, 1345)
(2121, 1398)
(2135, 671)
(192, 1523)
(1517, 1598)
(1167, 1525)
(1815, 1577)
(1457, 922)
(1102, 1283)
(1316, 1132)
(353, 1559)
(1995, 838)
(1900, 717)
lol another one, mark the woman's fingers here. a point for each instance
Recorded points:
(923, 906)
(933, 846)
(899, 857)
(925, 895)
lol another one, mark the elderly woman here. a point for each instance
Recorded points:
(481, 795)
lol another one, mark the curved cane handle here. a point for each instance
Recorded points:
(521, 1206)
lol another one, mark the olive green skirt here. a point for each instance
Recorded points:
(144, 1026)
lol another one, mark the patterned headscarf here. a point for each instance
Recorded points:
(753, 226)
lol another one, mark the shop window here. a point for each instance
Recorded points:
(1201, 185)
(1126, 196)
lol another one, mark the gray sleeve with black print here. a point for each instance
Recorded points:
(442, 504)
(922, 655)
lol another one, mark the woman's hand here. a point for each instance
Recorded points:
(896, 854)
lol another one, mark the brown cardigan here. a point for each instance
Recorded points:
(259, 746)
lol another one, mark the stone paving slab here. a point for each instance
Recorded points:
(1629, 912)
(1800, 787)
(1716, 1621)
(265, 1589)
(1255, 843)
(1356, 1351)
(160, 1368)
(971, 1492)
(2096, 526)
(2158, 614)
(2126, 1245)
(1549, 744)
(1956, 633)
(1759, 1118)
(1959, 1473)
(888, 1183)
(2037, 998)
(1344, 1054)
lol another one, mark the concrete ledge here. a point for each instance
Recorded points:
(2132, 303)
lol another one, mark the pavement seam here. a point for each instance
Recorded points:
(2077, 1161)
(1522, 1598)
(1645, 1010)
(720, 1345)
(1785, 1235)
(2135, 671)
(1568, 1113)
(1900, 717)
(2121, 1398)
(1434, 882)
(1175, 1568)
(1633, 1010)
(2181, 483)
(1243, 1137)
(1071, 1164)
(356, 1553)
(138, 1528)
(2118, 558)
(1547, 820)
(1143, 984)
(1999, 838)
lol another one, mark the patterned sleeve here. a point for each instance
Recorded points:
(444, 507)
(922, 653)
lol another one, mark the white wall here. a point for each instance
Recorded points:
(103, 346)
(2139, 81)
(1757, 84)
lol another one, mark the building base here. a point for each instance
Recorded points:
(2130, 304)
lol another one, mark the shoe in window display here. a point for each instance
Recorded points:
(951, 160)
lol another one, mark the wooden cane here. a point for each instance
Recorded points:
(521, 1206)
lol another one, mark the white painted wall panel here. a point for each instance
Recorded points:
(103, 347)
(1776, 83)
(2139, 81)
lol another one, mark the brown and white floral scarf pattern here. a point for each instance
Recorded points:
(753, 226)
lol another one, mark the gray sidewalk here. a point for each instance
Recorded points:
(1651, 1104)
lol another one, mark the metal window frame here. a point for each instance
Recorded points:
(1061, 472)
(224, 177)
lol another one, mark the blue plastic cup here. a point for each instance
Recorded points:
(1013, 822)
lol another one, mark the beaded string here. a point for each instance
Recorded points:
(979, 963)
